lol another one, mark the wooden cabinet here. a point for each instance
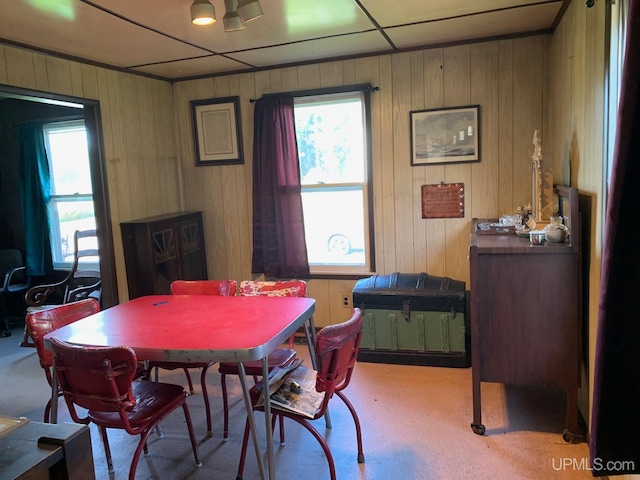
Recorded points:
(525, 312)
(161, 249)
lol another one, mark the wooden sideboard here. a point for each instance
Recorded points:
(525, 312)
(161, 249)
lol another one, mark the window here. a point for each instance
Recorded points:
(617, 41)
(71, 204)
(333, 147)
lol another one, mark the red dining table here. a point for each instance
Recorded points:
(198, 328)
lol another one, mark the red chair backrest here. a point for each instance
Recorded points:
(41, 322)
(336, 351)
(283, 288)
(95, 378)
(227, 288)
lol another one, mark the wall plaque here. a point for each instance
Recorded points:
(443, 200)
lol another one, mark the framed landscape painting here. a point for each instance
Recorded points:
(445, 135)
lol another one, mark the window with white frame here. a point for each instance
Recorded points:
(617, 44)
(333, 146)
(70, 206)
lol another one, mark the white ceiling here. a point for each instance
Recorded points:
(157, 38)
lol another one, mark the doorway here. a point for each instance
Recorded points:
(18, 105)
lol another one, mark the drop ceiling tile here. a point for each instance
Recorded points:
(194, 67)
(393, 13)
(315, 50)
(505, 22)
(80, 30)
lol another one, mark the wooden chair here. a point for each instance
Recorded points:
(79, 283)
(41, 322)
(196, 287)
(101, 380)
(13, 281)
(336, 350)
(280, 357)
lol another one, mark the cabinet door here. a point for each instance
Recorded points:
(165, 256)
(193, 264)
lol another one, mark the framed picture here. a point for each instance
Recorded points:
(443, 200)
(449, 135)
(216, 131)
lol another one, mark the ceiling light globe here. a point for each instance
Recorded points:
(249, 10)
(202, 13)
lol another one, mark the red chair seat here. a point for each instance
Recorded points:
(177, 365)
(152, 400)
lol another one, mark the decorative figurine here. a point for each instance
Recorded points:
(536, 179)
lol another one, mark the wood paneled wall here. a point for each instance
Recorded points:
(138, 132)
(506, 78)
(577, 63)
(148, 141)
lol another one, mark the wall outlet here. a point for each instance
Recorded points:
(346, 301)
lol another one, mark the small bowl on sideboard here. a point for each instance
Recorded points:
(536, 237)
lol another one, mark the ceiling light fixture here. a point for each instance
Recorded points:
(202, 12)
(249, 9)
(231, 18)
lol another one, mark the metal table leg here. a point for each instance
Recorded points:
(53, 413)
(250, 419)
(267, 416)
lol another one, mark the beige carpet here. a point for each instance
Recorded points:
(415, 426)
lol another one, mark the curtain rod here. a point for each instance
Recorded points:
(364, 87)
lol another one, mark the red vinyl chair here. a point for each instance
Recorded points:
(196, 287)
(280, 357)
(41, 322)
(101, 380)
(227, 288)
(336, 351)
(280, 288)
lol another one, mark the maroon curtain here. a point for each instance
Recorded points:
(279, 248)
(615, 420)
